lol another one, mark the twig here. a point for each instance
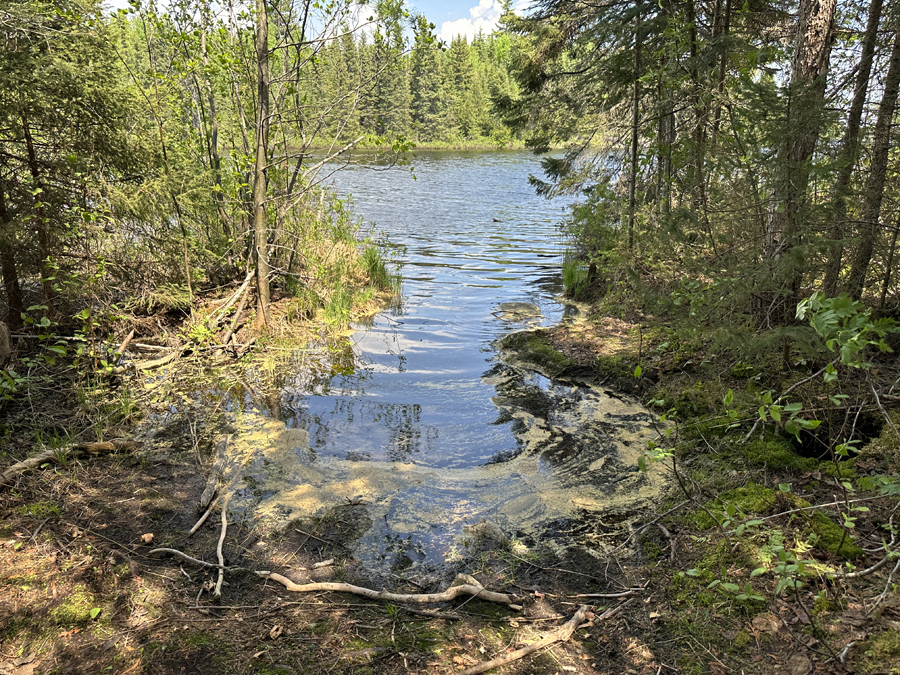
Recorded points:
(125, 342)
(217, 315)
(887, 586)
(237, 316)
(218, 590)
(668, 535)
(623, 594)
(148, 365)
(881, 407)
(470, 586)
(561, 634)
(822, 506)
(891, 555)
(202, 520)
(432, 614)
(184, 556)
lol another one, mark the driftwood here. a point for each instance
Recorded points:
(561, 634)
(468, 586)
(57, 454)
(237, 316)
(125, 343)
(219, 314)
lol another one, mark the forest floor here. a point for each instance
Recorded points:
(80, 592)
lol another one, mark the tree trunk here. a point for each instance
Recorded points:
(635, 121)
(874, 190)
(803, 122)
(47, 271)
(215, 159)
(889, 267)
(260, 230)
(723, 33)
(815, 34)
(10, 274)
(850, 149)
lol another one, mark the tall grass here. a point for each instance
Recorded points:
(575, 276)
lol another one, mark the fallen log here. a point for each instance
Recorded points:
(468, 586)
(61, 454)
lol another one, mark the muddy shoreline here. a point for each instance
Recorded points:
(81, 593)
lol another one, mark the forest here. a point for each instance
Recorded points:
(164, 184)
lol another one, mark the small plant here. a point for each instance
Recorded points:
(575, 277)
(376, 268)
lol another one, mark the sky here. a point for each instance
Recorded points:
(450, 17)
(462, 17)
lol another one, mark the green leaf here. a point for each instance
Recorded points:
(95, 612)
(775, 412)
(637, 371)
(729, 398)
(791, 427)
(758, 571)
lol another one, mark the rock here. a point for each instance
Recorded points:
(486, 536)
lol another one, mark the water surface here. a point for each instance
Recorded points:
(420, 418)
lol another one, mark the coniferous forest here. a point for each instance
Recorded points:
(732, 249)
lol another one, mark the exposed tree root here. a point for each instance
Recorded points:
(467, 585)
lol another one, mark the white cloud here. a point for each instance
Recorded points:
(483, 17)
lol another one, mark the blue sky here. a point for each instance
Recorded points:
(463, 17)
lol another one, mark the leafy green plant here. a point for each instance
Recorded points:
(847, 327)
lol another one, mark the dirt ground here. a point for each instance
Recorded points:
(80, 592)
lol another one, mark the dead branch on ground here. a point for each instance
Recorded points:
(66, 452)
(561, 634)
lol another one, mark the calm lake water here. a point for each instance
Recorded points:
(418, 417)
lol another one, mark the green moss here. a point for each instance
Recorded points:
(887, 444)
(533, 347)
(75, 609)
(883, 651)
(776, 454)
(617, 369)
(743, 371)
(842, 471)
(750, 499)
(742, 639)
(652, 551)
(40, 510)
(830, 536)
(824, 533)
(698, 400)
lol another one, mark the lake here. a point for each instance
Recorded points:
(417, 419)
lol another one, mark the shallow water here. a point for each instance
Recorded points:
(419, 417)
